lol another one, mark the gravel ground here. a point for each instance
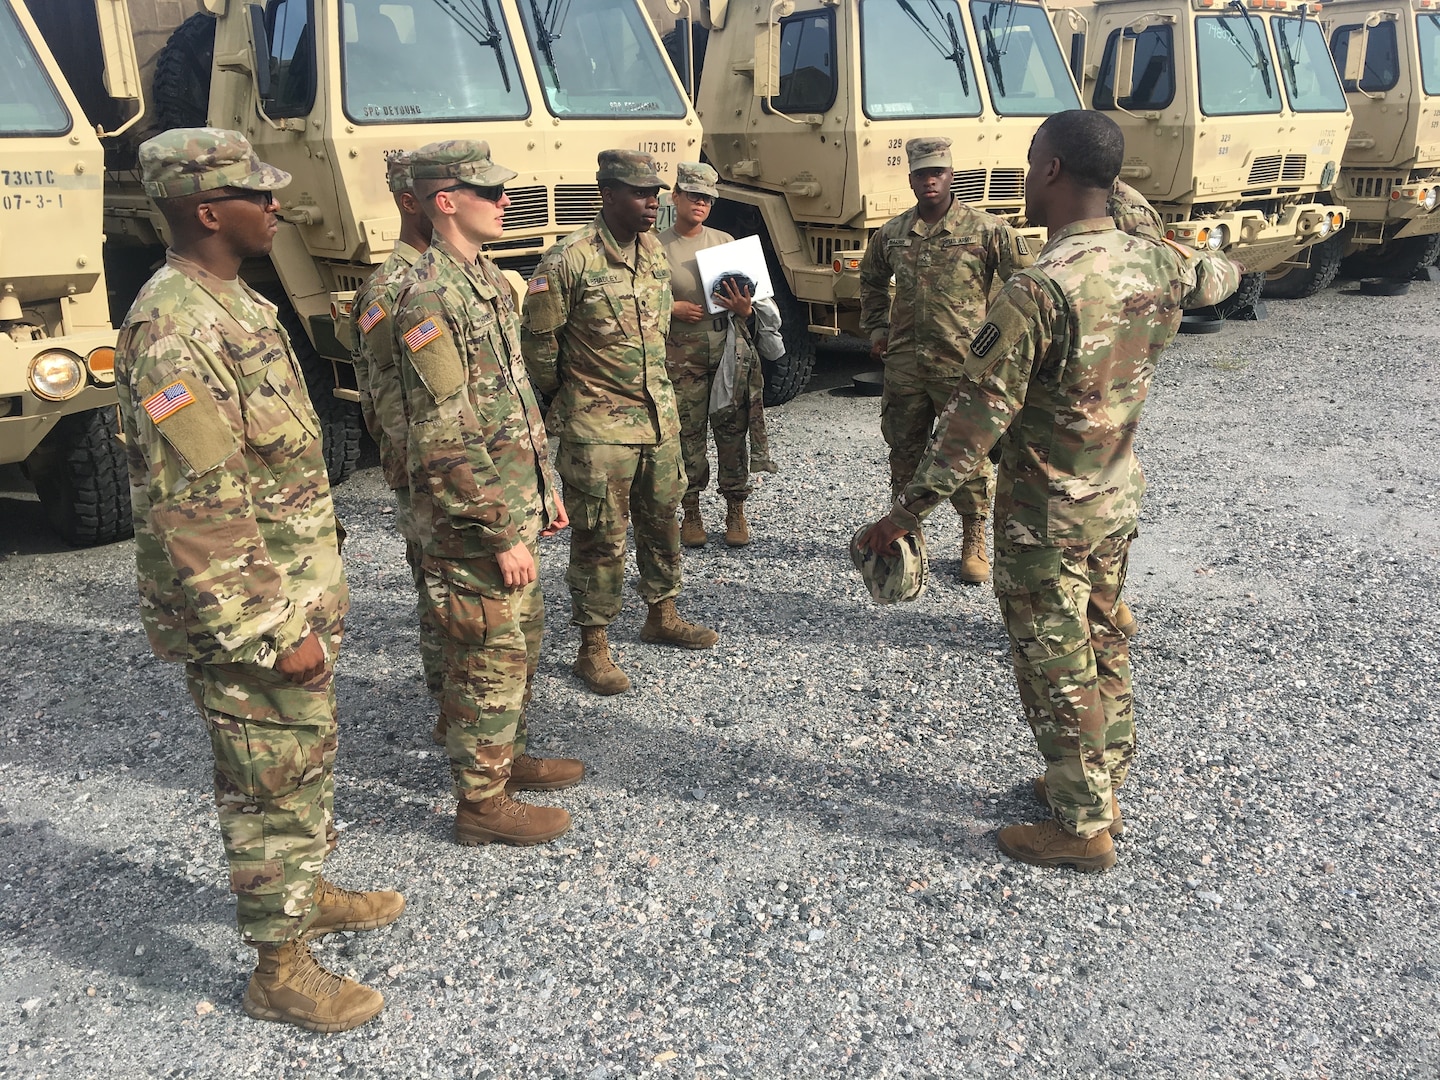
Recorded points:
(783, 863)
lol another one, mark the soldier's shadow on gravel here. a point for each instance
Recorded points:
(96, 909)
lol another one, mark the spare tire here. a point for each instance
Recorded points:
(786, 376)
(181, 90)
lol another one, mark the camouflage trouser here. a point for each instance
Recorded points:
(274, 745)
(692, 358)
(492, 638)
(908, 411)
(1073, 668)
(432, 638)
(604, 484)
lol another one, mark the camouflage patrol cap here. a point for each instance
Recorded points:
(892, 578)
(184, 161)
(928, 154)
(397, 171)
(701, 179)
(466, 160)
(629, 167)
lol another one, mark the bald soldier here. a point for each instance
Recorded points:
(382, 403)
(1057, 375)
(238, 555)
(596, 313)
(483, 494)
(944, 256)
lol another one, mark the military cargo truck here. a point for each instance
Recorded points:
(57, 349)
(1389, 56)
(325, 89)
(1233, 115)
(807, 106)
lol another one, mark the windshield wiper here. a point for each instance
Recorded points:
(546, 35)
(1287, 52)
(992, 53)
(466, 16)
(1259, 61)
(956, 55)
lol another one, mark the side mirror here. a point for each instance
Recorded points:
(117, 51)
(767, 61)
(260, 52)
(1356, 42)
(1124, 66)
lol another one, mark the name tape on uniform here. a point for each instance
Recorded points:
(417, 337)
(167, 401)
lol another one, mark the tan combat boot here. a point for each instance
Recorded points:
(544, 774)
(594, 666)
(1047, 844)
(692, 528)
(344, 909)
(737, 529)
(290, 986)
(1117, 821)
(442, 727)
(974, 560)
(1124, 620)
(664, 626)
(504, 820)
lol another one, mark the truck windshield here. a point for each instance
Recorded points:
(599, 59)
(1235, 67)
(1309, 74)
(1023, 65)
(1428, 27)
(418, 61)
(914, 61)
(29, 104)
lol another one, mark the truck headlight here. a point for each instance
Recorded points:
(1430, 196)
(1216, 240)
(56, 375)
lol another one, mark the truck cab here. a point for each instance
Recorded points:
(1233, 115)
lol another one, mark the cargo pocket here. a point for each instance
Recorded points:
(587, 488)
(472, 618)
(1035, 602)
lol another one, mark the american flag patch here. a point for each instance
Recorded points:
(165, 402)
(538, 284)
(373, 314)
(417, 337)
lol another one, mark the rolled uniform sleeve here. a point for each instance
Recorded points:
(448, 441)
(1002, 358)
(194, 471)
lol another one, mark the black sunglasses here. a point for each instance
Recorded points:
(493, 193)
(697, 196)
(261, 199)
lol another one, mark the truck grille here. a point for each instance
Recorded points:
(1007, 185)
(528, 208)
(1294, 167)
(576, 204)
(524, 265)
(1372, 187)
(1266, 170)
(969, 186)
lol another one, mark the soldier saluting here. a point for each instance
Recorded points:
(238, 555)
(1057, 375)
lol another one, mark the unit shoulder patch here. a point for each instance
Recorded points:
(984, 339)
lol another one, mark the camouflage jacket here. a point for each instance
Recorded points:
(381, 401)
(594, 337)
(1133, 213)
(236, 542)
(480, 478)
(943, 273)
(1058, 374)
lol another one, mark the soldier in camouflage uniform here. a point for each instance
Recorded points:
(596, 313)
(944, 256)
(1058, 374)
(695, 349)
(382, 403)
(483, 495)
(1133, 213)
(238, 557)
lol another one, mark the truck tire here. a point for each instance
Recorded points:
(80, 473)
(1241, 303)
(787, 376)
(340, 421)
(1297, 282)
(1397, 260)
(181, 89)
